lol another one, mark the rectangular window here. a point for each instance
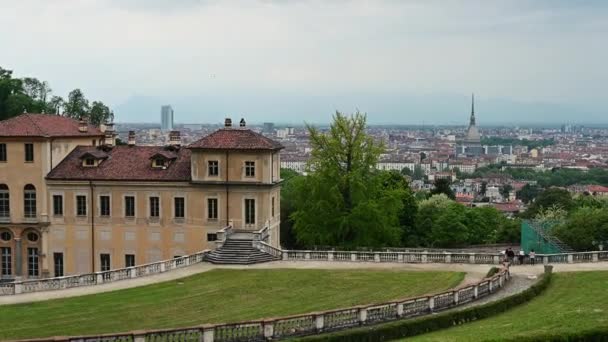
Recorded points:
(81, 205)
(33, 269)
(179, 209)
(213, 166)
(272, 208)
(104, 205)
(212, 208)
(58, 262)
(154, 207)
(29, 153)
(4, 203)
(6, 261)
(57, 205)
(105, 262)
(129, 206)
(129, 260)
(89, 162)
(29, 203)
(2, 152)
(211, 237)
(249, 169)
(249, 211)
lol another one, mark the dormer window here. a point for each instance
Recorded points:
(93, 159)
(159, 162)
(89, 162)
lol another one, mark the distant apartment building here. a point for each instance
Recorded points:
(166, 118)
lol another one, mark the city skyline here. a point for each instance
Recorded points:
(398, 61)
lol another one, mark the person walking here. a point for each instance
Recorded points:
(532, 257)
(522, 255)
(510, 255)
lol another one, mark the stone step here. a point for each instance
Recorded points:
(238, 252)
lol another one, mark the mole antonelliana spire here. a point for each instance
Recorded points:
(472, 121)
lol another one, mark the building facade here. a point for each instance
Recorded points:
(166, 118)
(85, 205)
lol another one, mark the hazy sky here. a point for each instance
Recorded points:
(295, 60)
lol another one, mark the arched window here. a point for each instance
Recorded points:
(29, 201)
(4, 202)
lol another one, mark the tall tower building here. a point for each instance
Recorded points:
(166, 118)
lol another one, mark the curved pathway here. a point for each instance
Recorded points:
(473, 274)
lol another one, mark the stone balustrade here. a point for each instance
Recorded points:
(423, 256)
(98, 278)
(316, 322)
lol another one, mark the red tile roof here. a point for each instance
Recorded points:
(44, 125)
(124, 163)
(597, 188)
(235, 139)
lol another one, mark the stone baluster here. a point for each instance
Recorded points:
(400, 309)
(162, 267)
(208, 333)
(496, 259)
(424, 256)
(362, 316)
(490, 286)
(132, 272)
(99, 277)
(471, 258)
(307, 255)
(330, 256)
(594, 257)
(400, 257)
(377, 257)
(353, 256)
(570, 258)
(319, 322)
(18, 289)
(476, 291)
(448, 258)
(139, 336)
(456, 297)
(431, 304)
(268, 330)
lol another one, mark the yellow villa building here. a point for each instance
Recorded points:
(72, 202)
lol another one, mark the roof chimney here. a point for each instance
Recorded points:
(175, 138)
(83, 127)
(109, 138)
(242, 123)
(228, 122)
(131, 140)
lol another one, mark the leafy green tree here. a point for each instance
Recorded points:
(528, 193)
(13, 99)
(288, 198)
(100, 113)
(418, 172)
(442, 186)
(450, 228)
(341, 202)
(505, 190)
(584, 229)
(77, 106)
(394, 181)
(407, 172)
(55, 105)
(549, 198)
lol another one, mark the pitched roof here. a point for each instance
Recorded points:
(124, 163)
(44, 125)
(235, 139)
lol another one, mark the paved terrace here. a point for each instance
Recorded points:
(474, 273)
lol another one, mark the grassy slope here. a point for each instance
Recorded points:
(573, 302)
(214, 297)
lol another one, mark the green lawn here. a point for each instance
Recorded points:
(573, 302)
(214, 297)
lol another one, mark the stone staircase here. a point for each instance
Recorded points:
(238, 252)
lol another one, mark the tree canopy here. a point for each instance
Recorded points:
(34, 96)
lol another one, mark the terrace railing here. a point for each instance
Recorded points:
(313, 323)
(423, 256)
(98, 278)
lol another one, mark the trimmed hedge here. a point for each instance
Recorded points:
(423, 325)
(597, 334)
(492, 271)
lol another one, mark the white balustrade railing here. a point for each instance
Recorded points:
(317, 322)
(98, 278)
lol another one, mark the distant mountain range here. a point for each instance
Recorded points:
(381, 109)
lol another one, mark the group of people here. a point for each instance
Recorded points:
(521, 256)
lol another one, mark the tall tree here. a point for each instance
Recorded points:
(341, 202)
(100, 113)
(77, 106)
(442, 186)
